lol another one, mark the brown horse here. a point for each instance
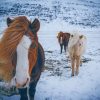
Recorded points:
(21, 55)
(63, 39)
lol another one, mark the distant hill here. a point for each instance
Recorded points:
(78, 12)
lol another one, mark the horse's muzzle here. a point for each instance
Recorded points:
(22, 85)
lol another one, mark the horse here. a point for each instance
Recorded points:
(22, 57)
(63, 39)
(76, 48)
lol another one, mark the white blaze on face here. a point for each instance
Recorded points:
(22, 66)
(61, 40)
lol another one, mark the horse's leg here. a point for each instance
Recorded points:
(32, 88)
(65, 48)
(36, 72)
(34, 80)
(73, 66)
(65, 45)
(23, 94)
(61, 46)
(80, 62)
(77, 65)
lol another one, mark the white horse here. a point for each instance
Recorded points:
(76, 48)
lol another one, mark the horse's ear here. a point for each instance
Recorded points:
(9, 21)
(81, 37)
(35, 26)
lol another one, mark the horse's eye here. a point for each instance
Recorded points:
(81, 37)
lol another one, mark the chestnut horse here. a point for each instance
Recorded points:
(76, 48)
(21, 55)
(63, 39)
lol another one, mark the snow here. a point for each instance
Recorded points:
(85, 86)
(56, 82)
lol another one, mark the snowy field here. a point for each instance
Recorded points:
(56, 82)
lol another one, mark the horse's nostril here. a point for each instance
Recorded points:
(17, 85)
(27, 78)
(27, 81)
(15, 80)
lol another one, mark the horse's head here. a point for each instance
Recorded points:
(34, 26)
(76, 38)
(60, 37)
(29, 38)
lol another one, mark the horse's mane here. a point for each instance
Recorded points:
(13, 35)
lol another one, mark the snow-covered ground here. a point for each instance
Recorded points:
(56, 82)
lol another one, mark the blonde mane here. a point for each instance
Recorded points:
(13, 35)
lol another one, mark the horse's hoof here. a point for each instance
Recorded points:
(72, 75)
(31, 98)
